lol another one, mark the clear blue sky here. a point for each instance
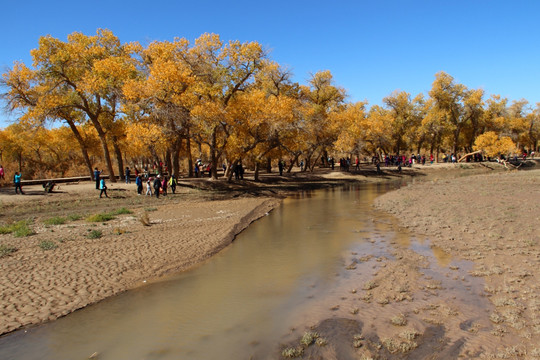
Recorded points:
(371, 47)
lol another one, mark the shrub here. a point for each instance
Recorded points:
(74, 217)
(56, 220)
(121, 211)
(293, 352)
(399, 320)
(47, 245)
(18, 229)
(100, 217)
(6, 250)
(95, 234)
(308, 338)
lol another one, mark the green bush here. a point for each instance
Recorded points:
(121, 211)
(18, 229)
(74, 217)
(5, 250)
(47, 245)
(95, 234)
(56, 220)
(102, 217)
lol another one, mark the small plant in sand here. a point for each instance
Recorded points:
(18, 229)
(394, 346)
(150, 209)
(102, 217)
(56, 220)
(145, 219)
(121, 211)
(355, 311)
(308, 338)
(74, 217)
(399, 320)
(321, 341)
(293, 352)
(6, 250)
(47, 245)
(409, 334)
(358, 341)
(95, 234)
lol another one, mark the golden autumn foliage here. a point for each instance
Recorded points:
(493, 145)
(224, 102)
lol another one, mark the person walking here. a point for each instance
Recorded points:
(172, 183)
(2, 174)
(164, 184)
(138, 182)
(97, 174)
(149, 187)
(17, 182)
(157, 185)
(128, 175)
(103, 188)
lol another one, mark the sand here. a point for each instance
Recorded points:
(184, 230)
(475, 296)
(459, 282)
(492, 222)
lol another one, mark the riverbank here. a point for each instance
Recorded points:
(492, 221)
(460, 279)
(69, 261)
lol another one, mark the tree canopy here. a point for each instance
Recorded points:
(226, 102)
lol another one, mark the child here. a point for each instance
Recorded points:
(103, 188)
(149, 187)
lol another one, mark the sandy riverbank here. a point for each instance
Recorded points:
(185, 229)
(460, 280)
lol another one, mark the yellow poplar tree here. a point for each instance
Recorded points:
(86, 74)
(222, 71)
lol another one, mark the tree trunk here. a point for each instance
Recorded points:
(256, 172)
(105, 147)
(119, 158)
(168, 159)
(84, 150)
(213, 155)
(176, 157)
(456, 140)
(190, 158)
(269, 165)
(230, 170)
(292, 163)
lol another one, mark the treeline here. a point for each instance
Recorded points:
(124, 104)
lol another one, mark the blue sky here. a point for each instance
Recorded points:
(371, 47)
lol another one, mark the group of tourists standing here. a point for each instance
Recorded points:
(154, 185)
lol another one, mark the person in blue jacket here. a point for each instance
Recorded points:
(103, 188)
(138, 182)
(17, 182)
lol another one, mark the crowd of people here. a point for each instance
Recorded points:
(160, 183)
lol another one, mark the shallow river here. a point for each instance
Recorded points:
(238, 305)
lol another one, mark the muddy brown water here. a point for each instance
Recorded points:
(242, 303)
